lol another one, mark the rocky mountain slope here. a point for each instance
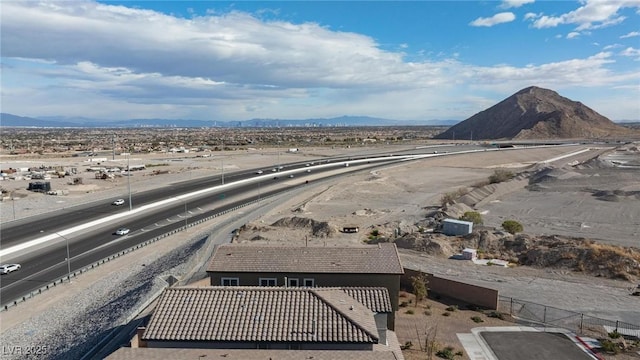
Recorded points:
(536, 113)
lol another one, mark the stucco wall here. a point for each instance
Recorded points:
(472, 294)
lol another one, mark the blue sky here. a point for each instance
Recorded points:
(214, 60)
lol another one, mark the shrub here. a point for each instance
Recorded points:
(446, 313)
(404, 304)
(427, 312)
(446, 353)
(614, 334)
(512, 226)
(609, 346)
(406, 345)
(496, 314)
(410, 312)
(472, 216)
(500, 175)
(452, 308)
(477, 319)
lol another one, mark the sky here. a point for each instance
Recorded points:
(230, 61)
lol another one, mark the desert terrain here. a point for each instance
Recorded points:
(402, 203)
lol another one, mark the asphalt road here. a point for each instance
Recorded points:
(43, 264)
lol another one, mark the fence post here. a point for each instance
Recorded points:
(511, 307)
(617, 321)
(544, 315)
(581, 321)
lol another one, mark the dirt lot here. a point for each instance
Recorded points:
(399, 198)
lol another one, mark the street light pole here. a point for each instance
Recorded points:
(129, 180)
(68, 254)
(222, 161)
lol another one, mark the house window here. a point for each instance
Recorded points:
(230, 281)
(309, 283)
(268, 282)
(293, 282)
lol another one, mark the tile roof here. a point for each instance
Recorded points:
(181, 354)
(382, 258)
(261, 314)
(375, 299)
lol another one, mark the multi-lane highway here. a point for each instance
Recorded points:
(41, 243)
(86, 232)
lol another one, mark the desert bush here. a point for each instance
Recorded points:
(452, 308)
(410, 312)
(404, 304)
(496, 314)
(477, 319)
(609, 346)
(472, 216)
(446, 313)
(512, 226)
(407, 345)
(500, 175)
(446, 353)
(427, 312)
(614, 334)
(447, 199)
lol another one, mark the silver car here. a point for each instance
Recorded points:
(7, 268)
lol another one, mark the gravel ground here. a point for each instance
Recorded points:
(72, 324)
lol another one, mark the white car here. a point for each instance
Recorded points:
(291, 175)
(259, 172)
(5, 269)
(118, 202)
(122, 231)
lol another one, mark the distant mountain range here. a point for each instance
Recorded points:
(10, 120)
(536, 113)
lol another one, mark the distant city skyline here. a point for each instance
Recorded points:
(235, 61)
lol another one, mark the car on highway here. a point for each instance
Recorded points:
(259, 172)
(122, 231)
(308, 170)
(291, 175)
(118, 202)
(7, 268)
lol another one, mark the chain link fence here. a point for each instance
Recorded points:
(579, 323)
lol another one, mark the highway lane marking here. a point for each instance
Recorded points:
(257, 179)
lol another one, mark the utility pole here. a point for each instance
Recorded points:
(222, 167)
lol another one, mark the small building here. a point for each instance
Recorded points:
(40, 186)
(469, 254)
(454, 227)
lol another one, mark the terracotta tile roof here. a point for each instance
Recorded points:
(261, 314)
(181, 354)
(375, 299)
(366, 259)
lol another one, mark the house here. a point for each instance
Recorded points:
(469, 254)
(300, 266)
(251, 319)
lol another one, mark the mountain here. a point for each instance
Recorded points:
(535, 113)
(9, 120)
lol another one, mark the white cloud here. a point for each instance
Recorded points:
(594, 14)
(500, 18)
(507, 4)
(631, 34)
(128, 63)
(573, 35)
(631, 52)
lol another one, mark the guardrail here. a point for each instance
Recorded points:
(96, 264)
